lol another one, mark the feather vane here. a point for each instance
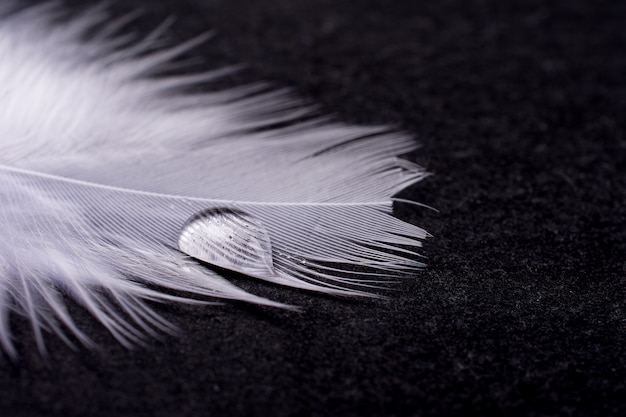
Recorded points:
(112, 180)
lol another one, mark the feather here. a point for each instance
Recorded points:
(114, 182)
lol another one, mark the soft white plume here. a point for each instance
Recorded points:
(103, 164)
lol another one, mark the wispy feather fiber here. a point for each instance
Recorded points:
(102, 162)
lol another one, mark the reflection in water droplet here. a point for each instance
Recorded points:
(229, 239)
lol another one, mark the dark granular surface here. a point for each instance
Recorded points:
(520, 108)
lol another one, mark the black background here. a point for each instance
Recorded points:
(520, 109)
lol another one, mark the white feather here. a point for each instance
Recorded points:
(102, 164)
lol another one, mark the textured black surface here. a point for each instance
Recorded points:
(520, 108)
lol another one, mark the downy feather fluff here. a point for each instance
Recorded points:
(103, 164)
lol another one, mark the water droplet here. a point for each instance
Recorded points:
(228, 238)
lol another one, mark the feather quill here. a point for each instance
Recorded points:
(112, 180)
